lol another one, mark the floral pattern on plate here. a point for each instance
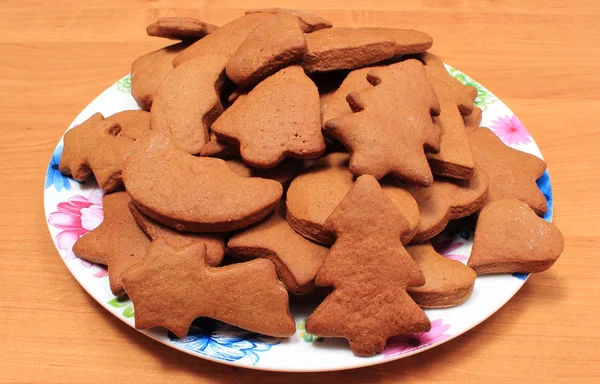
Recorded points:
(224, 342)
(401, 344)
(74, 218)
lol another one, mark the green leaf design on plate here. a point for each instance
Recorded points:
(128, 312)
(484, 97)
(307, 337)
(123, 302)
(119, 302)
(124, 85)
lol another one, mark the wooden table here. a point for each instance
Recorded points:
(541, 58)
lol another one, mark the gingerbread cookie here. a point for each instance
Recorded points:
(283, 173)
(198, 194)
(95, 146)
(134, 124)
(188, 101)
(171, 287)
(451, 89)
(510, 238)
(391, 127)
(117, 242)
(448, 283)
(454, 159)
(309, 22)
(219, 148)
(313, 195)
(272, 45)
(346, 48)
(408, 41)
(285, 120)
(370, 271)
(223, 41)
(447, 200)
(473, 120)
(149, 71)
(335, 105)
(215, 242)
(180, 28)
(512, 173)
(297, 260)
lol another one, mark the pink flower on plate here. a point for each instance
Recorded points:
(398, 345)
(510, 130)
(76, 217)
(445, 246)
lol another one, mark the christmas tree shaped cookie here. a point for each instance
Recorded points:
(370, 272)
(391, 127)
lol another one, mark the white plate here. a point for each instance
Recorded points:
(73, 209)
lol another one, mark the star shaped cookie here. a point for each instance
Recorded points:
(512, 173)
(171, 287)
(117, 242)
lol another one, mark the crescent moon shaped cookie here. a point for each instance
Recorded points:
(197, 194)
(188, 101)
(149, 71)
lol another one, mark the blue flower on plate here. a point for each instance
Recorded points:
(224, 342)
(53, 175)
(544, 185)
(520, 276)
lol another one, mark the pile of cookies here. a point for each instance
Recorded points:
(278, 154)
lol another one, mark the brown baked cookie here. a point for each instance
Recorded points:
(285, 120)
(297, 260)
(223, 41)
(346, 48)
(272, 45)
(473, 120)
(408, 41)
(370, 271)
(283, 173)
(447, 200)
(117, 242)
(236, 94)
(335, 105)
(448, 283)
(180, 28)
(391, 127)
(219, 148)
(215, 242)
(309, 22)
(197, 194)
(313, 195)
(452, 89)
(188, 101)
(510, 238)
(134, 124)
(95, 146)
(171, 287)
(454, 159)
(149, 71)
(512, 173)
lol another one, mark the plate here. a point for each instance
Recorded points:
(73, 209)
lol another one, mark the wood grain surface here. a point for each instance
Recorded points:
(542, 58)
